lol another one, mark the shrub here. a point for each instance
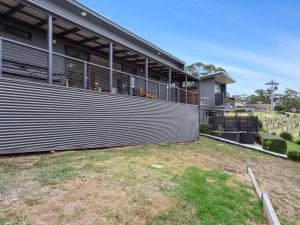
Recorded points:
(205, 128)
(274, 133)
(287, 136)
(294, 155)
(273, 143)
(260, 125)
(297, 141)
(279, 108)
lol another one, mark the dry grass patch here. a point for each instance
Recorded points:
(119, 186)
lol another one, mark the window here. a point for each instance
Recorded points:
(218, 89)
(14, 31)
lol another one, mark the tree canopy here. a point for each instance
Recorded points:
(289, 101)
(199, 69)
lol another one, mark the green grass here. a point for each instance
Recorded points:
(211, 197)
(206, 195)
(219, 198)
(293, 146)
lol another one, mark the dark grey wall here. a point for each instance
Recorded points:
(207, 89)
(38, 117)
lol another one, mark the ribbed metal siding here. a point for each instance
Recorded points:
(38, 117)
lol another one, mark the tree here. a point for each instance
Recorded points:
(260, 96)
(200, 69)
(290, 99)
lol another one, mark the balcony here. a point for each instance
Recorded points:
(222, 101)
(30, 63)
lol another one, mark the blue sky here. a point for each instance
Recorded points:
(253, 40)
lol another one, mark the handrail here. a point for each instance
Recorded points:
(93, 64)
(26, 45)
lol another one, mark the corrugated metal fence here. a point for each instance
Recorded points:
(39, 117)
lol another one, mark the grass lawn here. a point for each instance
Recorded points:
(293, 146)
(202, 183)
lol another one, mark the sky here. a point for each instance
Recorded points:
(254, 41)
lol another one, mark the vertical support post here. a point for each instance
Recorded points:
(170, 84)
(85, 78)
(146, 75)
(186, 93)
(158, 91)
(199, 96)
(130, 87)
(178, 94)
(111, 56)
(1, 53)
(50, 48)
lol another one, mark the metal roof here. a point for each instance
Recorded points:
(72, 10)
(221, 77)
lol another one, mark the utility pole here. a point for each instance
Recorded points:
(274, 87)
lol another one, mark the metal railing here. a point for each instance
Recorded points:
(229, 103)
(204, 101)
(26, 62)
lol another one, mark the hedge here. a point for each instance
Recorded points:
(294, 155)
(287, 136)
(205, 128)
(273, 143)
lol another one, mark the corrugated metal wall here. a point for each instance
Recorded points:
(38, 117)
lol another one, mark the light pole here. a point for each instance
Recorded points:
(274, 86)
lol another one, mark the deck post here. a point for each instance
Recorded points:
(111, 66)
(170, 84)
(85, 77)
(50, 48)
(186, 93)
(1, 53)
(130, 87)
(146, 75)
(158, 91)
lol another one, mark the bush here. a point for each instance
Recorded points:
(279, 108)
(287, 136)
(273, 143)
(274, 133)
(297, 141)
(260, 125)
(294, 155)
(205, 128)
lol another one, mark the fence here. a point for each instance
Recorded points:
(26, 62)
(234, 123)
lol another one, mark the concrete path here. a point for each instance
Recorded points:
(252, 147)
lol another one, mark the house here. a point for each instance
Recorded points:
(213, 95)
(72, 79)
(260, 107)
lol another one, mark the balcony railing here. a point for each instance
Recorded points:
(229, 103)
(204, 101)
(26, 62)
(219, 99)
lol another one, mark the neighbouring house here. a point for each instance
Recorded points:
(213, 95)
(260, 107)
(72, 79)
(241, 104)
